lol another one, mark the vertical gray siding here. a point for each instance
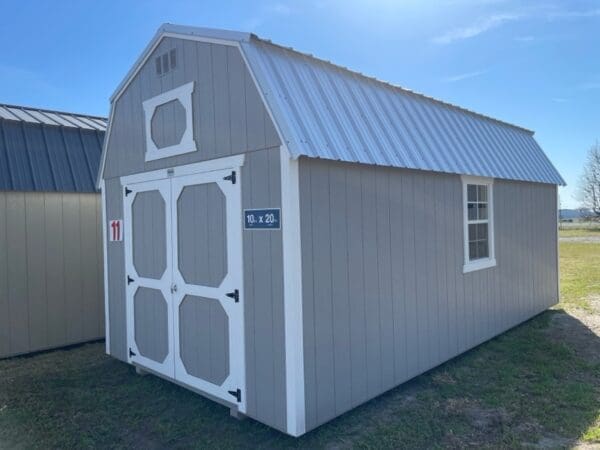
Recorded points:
(384, 295)
(51, 291)
(117, 313)
(263, 289)
(229, 116)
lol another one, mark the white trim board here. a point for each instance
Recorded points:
(105, 262)
(484, 263)
(292, 291)
(229, 162)
(187, 144)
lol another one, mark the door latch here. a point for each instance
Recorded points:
(173, 288)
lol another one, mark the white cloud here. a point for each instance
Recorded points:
(464, 76)
(497, 20)
(476, 29)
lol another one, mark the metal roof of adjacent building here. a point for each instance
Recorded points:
(44, 150)
(327, 111)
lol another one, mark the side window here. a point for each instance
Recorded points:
(478, 223)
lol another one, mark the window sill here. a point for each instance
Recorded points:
(479, 265)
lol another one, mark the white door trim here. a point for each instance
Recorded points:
(233, 280)
(165, 367)
(229, 162)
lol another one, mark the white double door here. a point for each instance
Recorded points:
(184, 292)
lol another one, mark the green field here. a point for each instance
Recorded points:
(537, 385)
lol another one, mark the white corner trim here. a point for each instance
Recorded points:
(100, 175)
(187, 144)
(479, 264)
(105, 259)
(557, 246)
(292, 282)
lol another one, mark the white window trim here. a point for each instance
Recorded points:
(484, 263)
(187, 144)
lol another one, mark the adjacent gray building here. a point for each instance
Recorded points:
(292, 238)
(51, 290)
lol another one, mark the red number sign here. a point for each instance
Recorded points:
(115, 230)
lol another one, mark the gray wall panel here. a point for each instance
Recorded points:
(229, 116)
(116, 274)
(17, 273)
(50, 292)
(390, 241)
(263, 294)
(4, 303)
(36, 270)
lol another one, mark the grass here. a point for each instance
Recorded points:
(579, 273)
(530, 385)
(580, 230)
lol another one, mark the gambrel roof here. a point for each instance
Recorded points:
(323, 110)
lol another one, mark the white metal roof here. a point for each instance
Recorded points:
(47, 117)
(328, 111)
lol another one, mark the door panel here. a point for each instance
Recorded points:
(149, 234)
(204, 338)
(147, 222)
(207, 271)
(202, 236)
(150, 310)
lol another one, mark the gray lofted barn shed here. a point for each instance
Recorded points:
(51, 291)
(300, 238)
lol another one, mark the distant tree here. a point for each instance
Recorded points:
(590, 180)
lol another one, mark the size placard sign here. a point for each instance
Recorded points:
(115, 230)
(262, 219)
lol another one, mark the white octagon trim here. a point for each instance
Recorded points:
(187, 144)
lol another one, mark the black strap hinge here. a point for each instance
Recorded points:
(234, 295)
(129, 280)
(231, 177)
(131, 353)
(237, 394)
(127, 191)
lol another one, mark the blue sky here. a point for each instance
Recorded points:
(533, 63)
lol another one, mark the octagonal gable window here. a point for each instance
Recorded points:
(168, 121)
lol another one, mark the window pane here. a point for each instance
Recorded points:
(482, 232)
(482, 249)
(472, 232)
(472, 211)
(158, 66)
(471, 192)
(483, 212)
(482, 193)
(472, 250)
